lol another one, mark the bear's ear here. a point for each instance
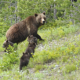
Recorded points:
(35, 43)
(28, 38)
(28, 53)
(23, 53)
(36, 15)
(7, 41)
(44, 13)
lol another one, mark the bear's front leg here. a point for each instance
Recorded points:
(39, 37)
(20, 67)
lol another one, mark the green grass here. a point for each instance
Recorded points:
(70, 67)
(58, 61)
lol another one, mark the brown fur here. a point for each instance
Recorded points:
(29, 26)
(24, 60)
(6, 44)
(32, 44)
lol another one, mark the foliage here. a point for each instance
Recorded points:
(63, 55)
(15, 11)
(59, 27)
(46, 56)
(69, 68)
(9, 59)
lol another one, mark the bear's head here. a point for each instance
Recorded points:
(25, 57)
(32, 39)
(7, 43)
(40, 18)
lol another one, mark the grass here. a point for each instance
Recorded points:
(58, 61)
(70, 67)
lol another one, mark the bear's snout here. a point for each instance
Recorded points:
(43, 22)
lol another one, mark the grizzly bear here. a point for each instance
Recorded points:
(32, 45)
(29, 26)
(24, 60)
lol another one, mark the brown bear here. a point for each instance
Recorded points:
(32, 44)
(29, 26)
(24, 60)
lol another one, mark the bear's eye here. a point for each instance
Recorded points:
(44, 18)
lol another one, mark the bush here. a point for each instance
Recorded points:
(9, 59)
(70, 67)
(3, 28)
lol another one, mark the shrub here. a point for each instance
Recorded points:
(70, 67)
(3, 28)
(9, 59)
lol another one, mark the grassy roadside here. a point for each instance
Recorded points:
(60, 60)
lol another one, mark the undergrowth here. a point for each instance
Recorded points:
(65, 53)
(9, 59)
(47, 56)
